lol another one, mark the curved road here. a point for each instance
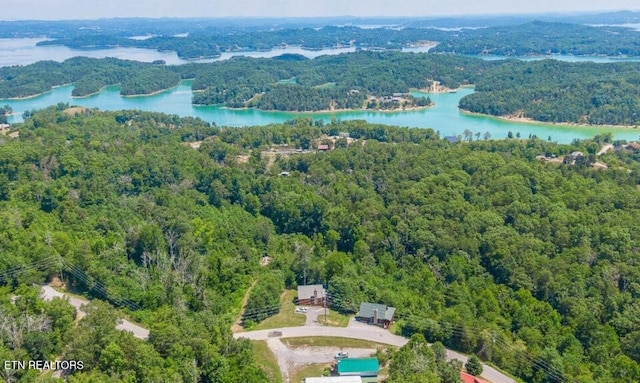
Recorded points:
(48, 293)
(358, 330)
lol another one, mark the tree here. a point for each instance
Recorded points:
(473, 366)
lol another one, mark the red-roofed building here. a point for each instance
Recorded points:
(468, 378)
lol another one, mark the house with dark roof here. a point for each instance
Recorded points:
(376, 314)
(311, 295)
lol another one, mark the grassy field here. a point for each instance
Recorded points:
(267, 360)
(307, 371)
(287, 317)
(334, 319)
(327, 341)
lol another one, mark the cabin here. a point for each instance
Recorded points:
(311, 295)
(323, 147)
(376, 314)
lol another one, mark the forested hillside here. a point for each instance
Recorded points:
(346, 80)
(556, 91)
(531, 266)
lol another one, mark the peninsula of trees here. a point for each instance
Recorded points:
(88, 76)
(560, 92)
(478, 245)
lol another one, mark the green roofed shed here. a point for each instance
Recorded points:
(358, 366)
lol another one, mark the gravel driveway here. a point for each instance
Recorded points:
(48, 293)
(354, 330)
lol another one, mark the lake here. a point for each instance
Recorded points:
(444, 117)
(24, 51)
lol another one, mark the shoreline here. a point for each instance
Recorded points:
(442, 89)
(91, 94)
(529, 121)
(152, 93)
(35, 95)
(329, 111)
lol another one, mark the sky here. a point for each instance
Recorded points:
(92, 9)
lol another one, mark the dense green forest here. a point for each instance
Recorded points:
(556, 91)
(478, 245)
(344, 81)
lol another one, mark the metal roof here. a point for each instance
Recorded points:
(334, 379)
(358, 366)
(367, 310)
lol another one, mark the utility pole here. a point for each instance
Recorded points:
(326, 295)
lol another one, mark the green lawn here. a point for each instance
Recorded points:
(327, 341)
(287, 317)
(309, 370)
(334, 319)
(266, 359)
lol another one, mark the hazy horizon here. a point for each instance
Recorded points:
(93, 9)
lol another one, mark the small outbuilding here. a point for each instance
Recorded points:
(311, 295)
(365, 368)
(334, 379)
